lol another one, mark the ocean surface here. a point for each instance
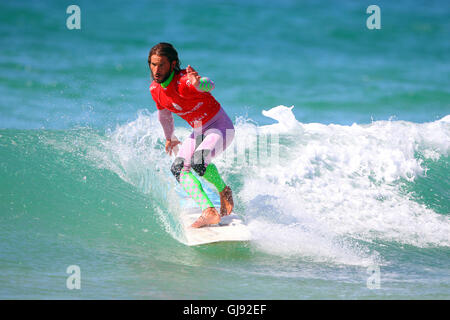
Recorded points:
(355, 203)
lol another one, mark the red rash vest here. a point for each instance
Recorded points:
(181, 98)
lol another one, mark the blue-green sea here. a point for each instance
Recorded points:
(356, 206)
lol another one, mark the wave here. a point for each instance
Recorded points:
(321, 192)
(325, 191)
(335, 184)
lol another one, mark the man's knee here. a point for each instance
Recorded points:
(198, 161)
(176, 167)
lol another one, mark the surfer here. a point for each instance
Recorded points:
(186, 94)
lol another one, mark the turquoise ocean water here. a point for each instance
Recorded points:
(361, 183)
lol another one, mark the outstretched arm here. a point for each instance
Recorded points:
(202, 84)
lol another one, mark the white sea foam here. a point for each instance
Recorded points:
(335, 183)
(332, 186)
(135, 152)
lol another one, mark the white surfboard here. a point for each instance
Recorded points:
(230, 228)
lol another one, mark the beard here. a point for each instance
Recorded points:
(162, 77)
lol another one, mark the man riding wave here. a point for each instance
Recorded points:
(186, 94)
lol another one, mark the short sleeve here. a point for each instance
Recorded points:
(153, 93)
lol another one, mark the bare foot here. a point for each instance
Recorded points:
(226, 201)
(209, 216)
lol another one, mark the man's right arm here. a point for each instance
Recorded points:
(166, 119)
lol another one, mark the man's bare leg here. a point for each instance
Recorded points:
(226, 201)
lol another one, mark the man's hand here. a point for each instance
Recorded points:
(170, 144)
(193, 76)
